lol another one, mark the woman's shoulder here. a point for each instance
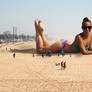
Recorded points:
(91, 36)
(78, 36)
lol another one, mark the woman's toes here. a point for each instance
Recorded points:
(40, 21)
(36, 22)
(41, 26)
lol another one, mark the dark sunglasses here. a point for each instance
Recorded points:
(85, 27)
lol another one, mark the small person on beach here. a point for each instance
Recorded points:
(33, 55)
(10, 49)
(82, 42)
(13, 55)
(6, 48)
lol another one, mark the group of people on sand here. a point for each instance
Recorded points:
(82, 42)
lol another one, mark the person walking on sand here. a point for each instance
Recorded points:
(13, 55)
(82, 42)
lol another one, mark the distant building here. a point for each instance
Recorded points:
(7, 32)
(14, 34)
(14, 30)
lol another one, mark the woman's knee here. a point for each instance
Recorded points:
(40, 51)
(43, 50)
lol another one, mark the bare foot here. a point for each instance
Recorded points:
(36, 25)
(41, 26)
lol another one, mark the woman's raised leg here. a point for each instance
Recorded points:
(39, 41)
(55, 47)
(41, 31)
(42, 44)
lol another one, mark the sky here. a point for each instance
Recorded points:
(62, 18)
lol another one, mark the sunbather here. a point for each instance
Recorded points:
(82, 42)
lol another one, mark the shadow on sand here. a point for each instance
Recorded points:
(33, 50)
(26, 51)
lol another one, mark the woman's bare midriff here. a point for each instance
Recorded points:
(69, 48)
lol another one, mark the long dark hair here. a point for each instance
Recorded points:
(85, 20)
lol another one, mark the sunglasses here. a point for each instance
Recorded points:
(85, 27)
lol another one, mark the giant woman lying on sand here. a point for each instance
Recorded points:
(82, 42)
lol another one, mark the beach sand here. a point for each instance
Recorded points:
(26, 73)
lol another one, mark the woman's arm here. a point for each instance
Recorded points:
(82, 47)
(91, 43)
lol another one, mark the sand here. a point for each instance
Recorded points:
(26, 73)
